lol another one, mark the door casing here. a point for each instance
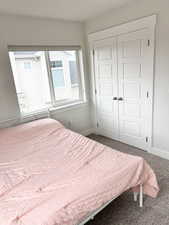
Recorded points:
(146, 22)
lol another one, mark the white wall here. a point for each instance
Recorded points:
(17, 30)
(136, 10)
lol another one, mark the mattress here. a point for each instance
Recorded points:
(50, 175)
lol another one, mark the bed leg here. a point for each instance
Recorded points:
(135, 196)
(141, 196)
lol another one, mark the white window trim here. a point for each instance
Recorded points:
(60, 104)
(46, 112)
(51, 85)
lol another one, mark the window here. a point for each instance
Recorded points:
(45, 79)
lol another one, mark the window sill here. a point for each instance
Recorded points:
(46, 112)
(34, 116)
(69, 106)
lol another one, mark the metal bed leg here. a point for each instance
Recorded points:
(135, 196)
(141, 196)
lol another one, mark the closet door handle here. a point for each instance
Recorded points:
(115, 98)
(120, 99)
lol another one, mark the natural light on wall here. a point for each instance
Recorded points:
(45, 79)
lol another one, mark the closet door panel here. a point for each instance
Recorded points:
(133, 80)
(105, 61)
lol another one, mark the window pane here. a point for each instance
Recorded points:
(27, 65)
(64, 74)
(55, 64)
(73, 72)
(58, 78)
(31, 80)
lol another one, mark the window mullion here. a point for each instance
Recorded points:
(51, 85)
(79, 75)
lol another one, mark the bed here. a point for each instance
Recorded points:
(50, 175)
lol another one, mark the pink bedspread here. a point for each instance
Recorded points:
(52, 176)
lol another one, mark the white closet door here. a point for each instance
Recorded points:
(135, 88)
(105, 61)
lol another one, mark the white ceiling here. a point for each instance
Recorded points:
(76, 10)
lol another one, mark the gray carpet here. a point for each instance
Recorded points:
(123, 210)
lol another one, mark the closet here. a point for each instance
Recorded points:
(123, 86)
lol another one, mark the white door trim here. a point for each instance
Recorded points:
(146, 22)
(159, 152)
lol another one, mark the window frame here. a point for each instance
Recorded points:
(64, 103)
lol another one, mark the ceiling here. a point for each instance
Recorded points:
(75, 10)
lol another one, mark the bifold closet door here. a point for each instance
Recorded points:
(124, 83)
(135, 83)
(105, 66)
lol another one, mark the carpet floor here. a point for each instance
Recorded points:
(123, 210)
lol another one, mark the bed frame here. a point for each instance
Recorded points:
(92, 215)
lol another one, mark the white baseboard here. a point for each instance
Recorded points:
(16, 121)
(153, 150)
(159, 152)
(87, 132)
(8, 123)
